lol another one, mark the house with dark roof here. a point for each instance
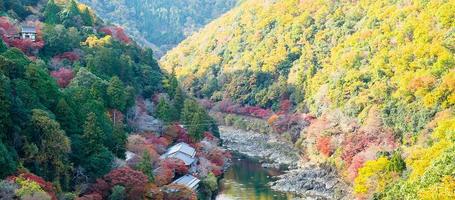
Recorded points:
(188, 181)
(28, 32)
(182, 151)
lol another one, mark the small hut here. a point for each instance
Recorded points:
(28, 32)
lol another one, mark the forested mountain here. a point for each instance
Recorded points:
(378, 75)
(77, 96)
(160, 23)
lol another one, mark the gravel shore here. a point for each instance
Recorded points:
(310, 182)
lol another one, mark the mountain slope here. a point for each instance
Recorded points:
(85, 112)
(378, 74)
(161, 23)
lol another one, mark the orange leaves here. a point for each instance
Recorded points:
(423, 82)
(324, 146)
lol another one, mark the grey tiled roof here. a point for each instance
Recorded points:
(184, 148)
(28, 29)
(185, 158)
(188, 181)
(181, 151)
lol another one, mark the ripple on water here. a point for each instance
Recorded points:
(247, 180)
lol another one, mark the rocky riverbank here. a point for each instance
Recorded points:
(269, 150)
(310, 182)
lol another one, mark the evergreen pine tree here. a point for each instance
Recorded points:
(53, 145)
(51, 13)
(86, 17)
(145, 166)
(72, 9)
(5, 105)
(119, 138)
(179, 101)
(173, 85)
(66, 117)
(7, 163)
(116, 94)
(166, 111)
(93, 135)
(118, 193)
(198, 126)
(3, 46)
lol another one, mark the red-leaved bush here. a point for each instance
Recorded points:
(285, 106)
(353, 169)
(253, 111)
(134, 181)
(63, 76)
(46, 186)
(163, 176)
(117, 33)
(176, 165)
(324, 146)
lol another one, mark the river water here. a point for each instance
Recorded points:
(247, 180)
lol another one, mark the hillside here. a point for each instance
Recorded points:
(161, 24)
(86, 113)
(378, 76)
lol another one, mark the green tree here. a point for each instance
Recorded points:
(60, 39)
(87, 17)
(66, 117)
(116, 94)
(71, 16)
(44, 86)
(3, 47)
(53, 145)
(7, 162)
(198, 126)
(165, 111)
(145, 166)
(99, 163)
(190, 107)
(179, 101)
(119, 138)
(118, 193)
(93, 136)
(51, 13)
(5, 106)
(173, 85)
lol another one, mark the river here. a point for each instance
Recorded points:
(247, 180)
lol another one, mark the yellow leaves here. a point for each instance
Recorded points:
(372, 176)
(446, 14)
(93, 41)
(420, 158)
(445, 190)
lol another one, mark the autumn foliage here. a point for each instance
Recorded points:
(227, 106)
(63, 76)
(9, 32)
(324, 146)
(46, 186)
(117, 33)
(135, 183)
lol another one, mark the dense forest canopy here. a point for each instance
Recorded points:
(160, 23)
(379, 75)
(77, 96)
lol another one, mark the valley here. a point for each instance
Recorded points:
(227, 99)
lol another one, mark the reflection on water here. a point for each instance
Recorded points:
(246, 179)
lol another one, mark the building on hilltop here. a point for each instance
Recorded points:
(28, 32)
